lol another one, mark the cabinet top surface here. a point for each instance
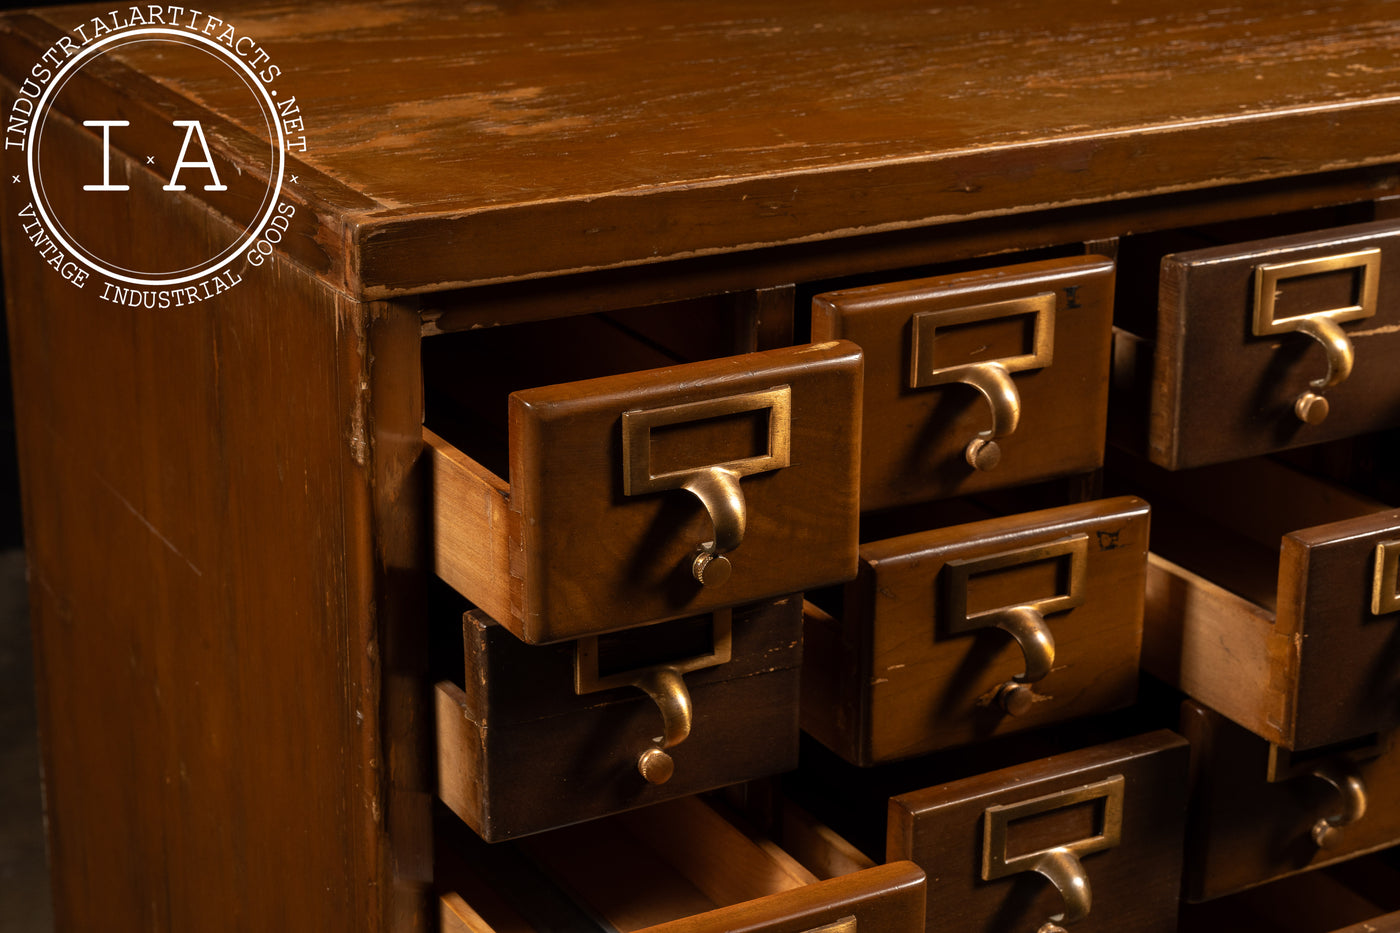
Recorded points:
(455, 143)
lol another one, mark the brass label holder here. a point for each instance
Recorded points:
(1386, 579)
(991, 378)
(1061, 865)
(1324, 326)
(1024, 621)
(715, 485)
(844, 925)
(664, 683)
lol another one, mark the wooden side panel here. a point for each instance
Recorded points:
(1220, 648)
(598, 560)
(472, 528)
(912, 448)
(926, 686)
(1134, 885)
(1222, 393)
(211, 521)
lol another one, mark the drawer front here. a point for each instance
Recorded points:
(650, 496)
(1250, 336)
(978, 381)
(963, 633)
(1260, 813)
(658, 712)
(1103, 826)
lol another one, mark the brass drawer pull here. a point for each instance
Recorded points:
(665, 685)
(715, 485)
(1311, 406)
(990, 378)
(1061, 864)
(1023, 621)
(1346, 779)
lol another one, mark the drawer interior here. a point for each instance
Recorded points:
(628, 872)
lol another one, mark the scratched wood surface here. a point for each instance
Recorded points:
(444, 138)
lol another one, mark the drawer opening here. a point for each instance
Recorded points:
(634, 871)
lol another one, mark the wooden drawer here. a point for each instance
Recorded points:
(962, 633)
(678, 867)
(1359, 896)
(1102, 825)
(1260, 812)
(1005, 368)
(1271, 597)
(544, 736)
(621, 488)
(1249, 335)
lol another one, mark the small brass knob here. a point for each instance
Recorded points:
(1016, 699)
(710, 569)
(1311, 408)
(656, 766)
(982, 454)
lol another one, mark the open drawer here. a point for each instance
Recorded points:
(640, 497)
(542, 736)
(1268, 344)
(678, 867)
(1272, 598)
(978, 380)
(1260, 812)
(958, 634)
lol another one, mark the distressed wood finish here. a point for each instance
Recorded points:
(834, 120)
(886, 679)
(1268, 622)
(229, 645)
(632, 565)
(1134, 885)
(1245, 830)
(520, 752)
(1222, 393)
(913, 441)
(678, 867)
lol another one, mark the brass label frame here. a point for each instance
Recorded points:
(637, 425)
(925, 333)
(1386, 579)
(957, 573)
(587, 679)
(997, 864)
(1267, 277)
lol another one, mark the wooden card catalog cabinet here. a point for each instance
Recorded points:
(1090, 838)
(1275, 343)
(1271, 597)
(962, 633)
(979, 380)
(603, 525)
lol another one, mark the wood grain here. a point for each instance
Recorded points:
(1134, 885)
(887, 680)
(830, 120)
(913, 439)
